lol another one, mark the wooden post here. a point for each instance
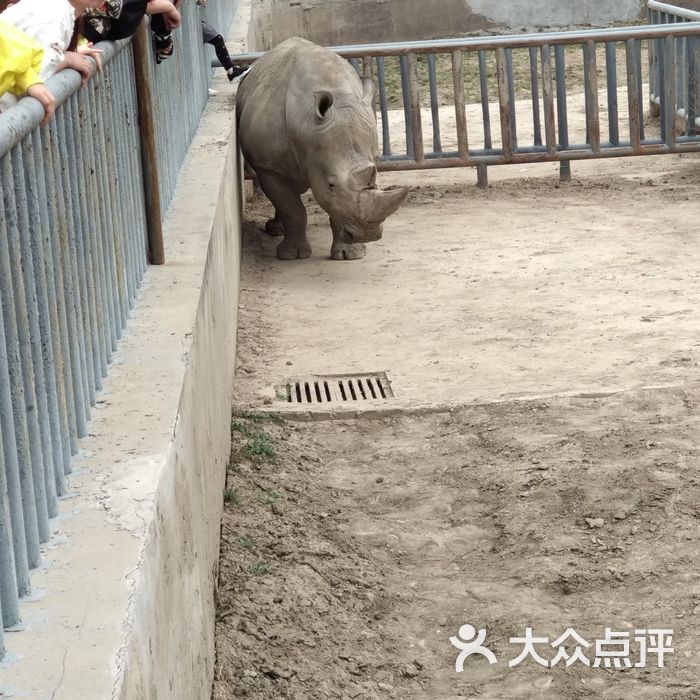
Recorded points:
(141, 48)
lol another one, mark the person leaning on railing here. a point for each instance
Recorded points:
(119, 19)
(55, 26)
(20, 63)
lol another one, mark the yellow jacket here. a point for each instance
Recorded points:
(20, 60)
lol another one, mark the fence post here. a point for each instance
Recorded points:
(141, 48)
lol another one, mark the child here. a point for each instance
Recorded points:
(51, 24)
(19, 69)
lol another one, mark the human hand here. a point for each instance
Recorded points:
(95, 54)
(79, 63)
(172, 19)
(40, 92)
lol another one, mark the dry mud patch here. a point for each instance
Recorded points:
(351, 555)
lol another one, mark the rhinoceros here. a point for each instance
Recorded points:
(306, 120)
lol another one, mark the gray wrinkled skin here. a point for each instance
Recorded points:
(306, 120)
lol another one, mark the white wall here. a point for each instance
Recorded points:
(515, 14)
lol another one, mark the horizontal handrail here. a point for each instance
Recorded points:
(691, 15)
(27, 114)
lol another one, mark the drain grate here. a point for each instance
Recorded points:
(337, 388)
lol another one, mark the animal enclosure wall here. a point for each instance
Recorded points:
(336, 22)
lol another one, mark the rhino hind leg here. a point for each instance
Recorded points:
(274, 227)
(290, 217)
(346, 251)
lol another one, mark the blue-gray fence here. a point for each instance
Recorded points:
(511, 99)
(72, 256)
(685, 66)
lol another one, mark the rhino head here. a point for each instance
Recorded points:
(342, 169)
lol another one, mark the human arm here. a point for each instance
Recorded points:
(40, 92)
(165, 7)
(76, 61)
(95, 54)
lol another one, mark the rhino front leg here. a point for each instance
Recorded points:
(290, 215)
(345, 251)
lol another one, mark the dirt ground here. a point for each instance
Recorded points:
(537, 468)
(350, 560)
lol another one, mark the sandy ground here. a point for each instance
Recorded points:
(553, 333)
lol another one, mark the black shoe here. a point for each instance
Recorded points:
(237, 72)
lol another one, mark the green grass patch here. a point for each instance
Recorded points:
(232, 497)
(259, 569)
(260, 448)
(269, 496)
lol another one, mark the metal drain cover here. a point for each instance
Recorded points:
(337, 388)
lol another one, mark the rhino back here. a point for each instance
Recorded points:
(276, 104)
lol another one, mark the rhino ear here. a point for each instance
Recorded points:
(369, 90)
(324, 102)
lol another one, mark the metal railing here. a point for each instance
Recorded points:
(685, 67)
(73, 231)
(513, 99)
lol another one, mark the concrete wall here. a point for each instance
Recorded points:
(170, 650)
(334, 22)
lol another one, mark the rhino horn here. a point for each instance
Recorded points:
(377, 205)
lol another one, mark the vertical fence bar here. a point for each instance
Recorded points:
(668, 102)
(484, 93)
(106, 216)
(640, 87)
(415, 106)
(611, 79)
(115, 233)
(141, 46)
(30, 346)
(562, 111)
(511, 98)
(434, 103)
(633, 95)
(651, 53)
(85, 148)
(83, 250)
(406, 95)
(75, 247)
(383, 107)
(56, 230)
(19, 485)
(35, 294)
(38, 220)
(548, 100)
(74, 311)
(504, 104)
(9, 606)
(692, 86)
(535, 92)
(591, 90)
(460, 107)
